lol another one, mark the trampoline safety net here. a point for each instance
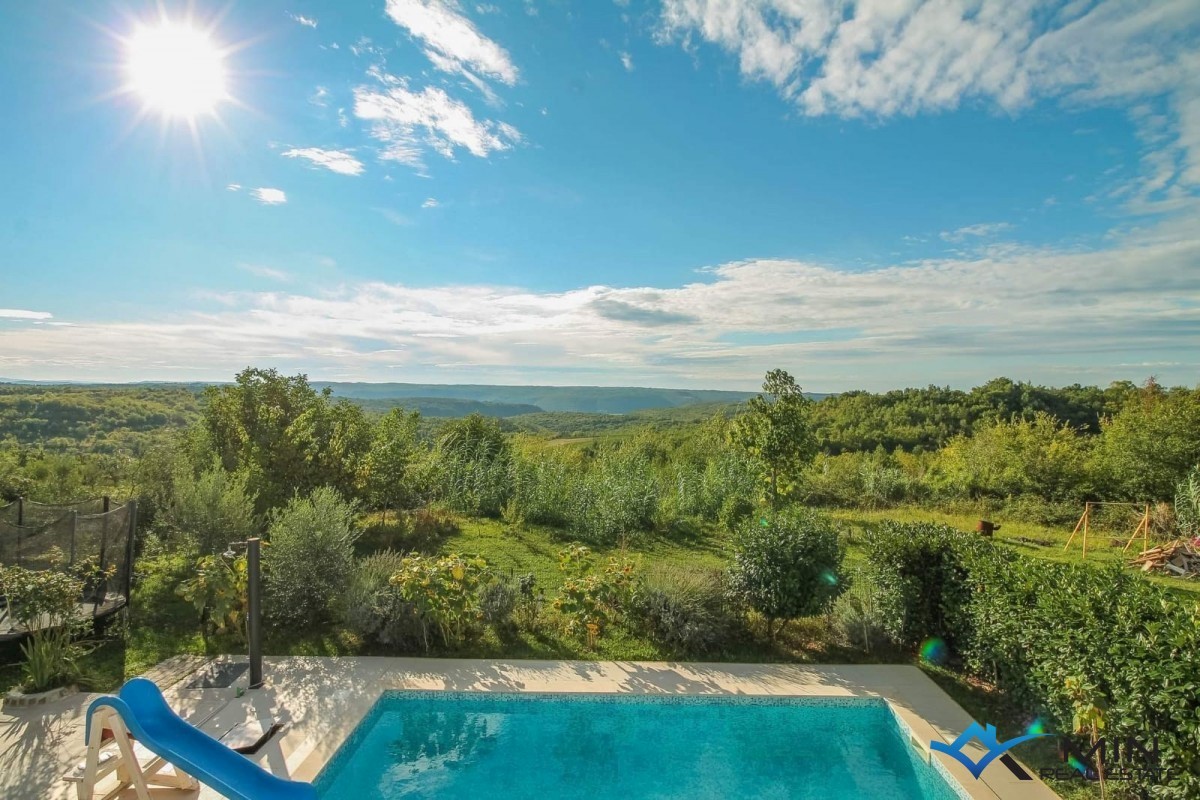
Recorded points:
(38, 536)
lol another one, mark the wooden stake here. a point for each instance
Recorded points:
(1078, 525)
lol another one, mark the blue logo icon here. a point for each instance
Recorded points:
(995, 749)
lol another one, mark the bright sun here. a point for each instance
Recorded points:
(176, 69)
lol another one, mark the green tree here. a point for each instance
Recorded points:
(289, 437)
(1150, 445)
(776, 430)
(393, 450)
(213, 510)
(787, 565)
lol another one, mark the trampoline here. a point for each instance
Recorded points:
(33, 535)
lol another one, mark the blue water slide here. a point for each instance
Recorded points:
(159, 729)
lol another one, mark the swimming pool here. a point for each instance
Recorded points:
(470, 745)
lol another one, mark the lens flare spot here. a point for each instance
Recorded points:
(829, 578)
(1036, 728)
(934, 651)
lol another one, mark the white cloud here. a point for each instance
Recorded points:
(20, 313)
(903, 57)
(320, 97)
(266, 272)
(269, 197)
(338, 161)
(430, 202)
(626, 61)
(449, 34)
(234, 187)
(958, 320)
(307, 22)
(978, 230)
(406, 122)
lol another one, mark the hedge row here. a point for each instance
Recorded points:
(1029, 626)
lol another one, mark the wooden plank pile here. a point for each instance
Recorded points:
(1179, 558)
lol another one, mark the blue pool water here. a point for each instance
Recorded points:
(450, 745)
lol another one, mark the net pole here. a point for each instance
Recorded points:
(74, 533)
(20, 511)
(129, 551)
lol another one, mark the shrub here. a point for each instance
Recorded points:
(45, 602)
(310, 559)
(856, 616)
(591, 599)
(497, 602)
(375, 609)
(921, 583)
(1056, 638)
(786, 565)
(218, 591)
(445, 592)
(686, 611)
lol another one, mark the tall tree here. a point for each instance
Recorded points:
(393, 449)
(775, 429)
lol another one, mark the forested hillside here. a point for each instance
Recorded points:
(600, 399)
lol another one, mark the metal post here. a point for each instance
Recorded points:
(74, 531)
(254, 623)
(129, 551)
(20, 510)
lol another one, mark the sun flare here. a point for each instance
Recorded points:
(176, 69)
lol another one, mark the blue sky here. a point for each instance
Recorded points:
(678, 193)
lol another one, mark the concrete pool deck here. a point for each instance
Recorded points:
(321, 700)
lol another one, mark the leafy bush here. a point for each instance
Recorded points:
(310, 559)
(921, 583)
(218, 592)
(592, 598)
(687, 611)
(375, 608)
(45, 602)
(787, 565)
(1060, 640)
(445, 592)
(497, 602)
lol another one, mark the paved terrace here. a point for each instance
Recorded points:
(321, 700)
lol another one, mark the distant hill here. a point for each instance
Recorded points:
(592, 399)
(576, 424)
(444, 406)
